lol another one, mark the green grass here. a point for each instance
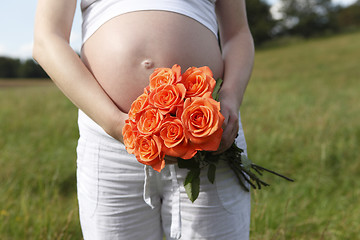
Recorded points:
(38, 162)
(301, 117)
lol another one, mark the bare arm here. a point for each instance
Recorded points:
(238, 53)
(52, 51)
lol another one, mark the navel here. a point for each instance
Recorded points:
(147, 64)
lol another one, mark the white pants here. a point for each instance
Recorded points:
(121, 199)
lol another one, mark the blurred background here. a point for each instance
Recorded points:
(300, 114)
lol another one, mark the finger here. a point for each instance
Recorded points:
(170, 160)
(230, 131)
(229, 135)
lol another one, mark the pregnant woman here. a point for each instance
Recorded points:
(123, 42)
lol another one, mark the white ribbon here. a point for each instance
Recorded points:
(175, 229)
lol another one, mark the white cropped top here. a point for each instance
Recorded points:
(96, 12)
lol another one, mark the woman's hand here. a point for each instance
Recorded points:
(170, 160)
(230, 111)
(115, 124)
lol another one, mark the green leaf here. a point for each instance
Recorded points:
(192, 189)
(192, 184)
(215, 94)
(193, 173)
(211, 173)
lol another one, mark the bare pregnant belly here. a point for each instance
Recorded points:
(124, 51)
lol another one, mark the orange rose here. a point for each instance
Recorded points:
(163, 76)
(198, 81)
(138, 105)
(202, 122)
(173, 135)
(148, 152)
(148, 121)
(168, 97)
(129, 132)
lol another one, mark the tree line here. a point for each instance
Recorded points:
(304, 18)
(15, 68)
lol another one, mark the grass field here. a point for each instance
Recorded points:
(301, 117)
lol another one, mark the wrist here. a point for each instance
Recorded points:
(230, 98)
(115, 124)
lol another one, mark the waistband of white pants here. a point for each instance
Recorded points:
(90, 129)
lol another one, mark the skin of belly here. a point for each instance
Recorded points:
(125, 50)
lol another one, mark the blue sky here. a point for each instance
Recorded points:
(16, 27)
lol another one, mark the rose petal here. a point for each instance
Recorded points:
(202, 123)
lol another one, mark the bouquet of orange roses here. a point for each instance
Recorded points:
(179, 115)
